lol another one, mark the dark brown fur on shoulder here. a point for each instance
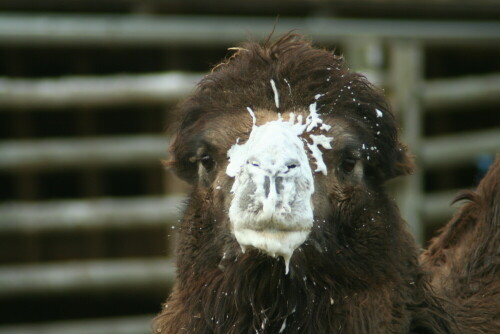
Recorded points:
(465, 258)
(358, 270)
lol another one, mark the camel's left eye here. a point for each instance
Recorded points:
(348, 164)
(207, 162)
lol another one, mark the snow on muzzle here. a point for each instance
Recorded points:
(271, 207)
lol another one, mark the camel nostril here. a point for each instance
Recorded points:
(267, 185)
(279, 184)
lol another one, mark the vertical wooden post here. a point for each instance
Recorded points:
(366, 55)
(406, 66)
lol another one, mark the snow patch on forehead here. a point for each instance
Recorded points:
(238, 154)
(274, 140)
(276, 95)
(272, 134)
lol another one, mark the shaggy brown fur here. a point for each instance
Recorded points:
(358, 272)
(465, 259)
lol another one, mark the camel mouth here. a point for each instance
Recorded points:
(273, 242)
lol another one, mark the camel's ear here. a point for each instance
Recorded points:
(182, 162)
(186, 171)
(184, 168)
(402, 162)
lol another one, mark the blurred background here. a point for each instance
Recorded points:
(87, 212)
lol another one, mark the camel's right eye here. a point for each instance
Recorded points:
(207, 162)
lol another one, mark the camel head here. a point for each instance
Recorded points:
(286, 148)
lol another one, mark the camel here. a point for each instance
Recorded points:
(288, 228)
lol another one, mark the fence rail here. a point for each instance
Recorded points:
(130, 30)
(160, 88)
(109, 213)
(462, 148)
(437, 206)
(71, 152)
(128, 325)
(57, 93)
(85, 276)
(465, 91)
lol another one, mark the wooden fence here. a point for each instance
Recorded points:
(402, 42)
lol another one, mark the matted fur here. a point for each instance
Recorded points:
(465, 258)
(358, 272)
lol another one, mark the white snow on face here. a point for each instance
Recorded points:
(316, 152)
(312, 121)
(271, 209)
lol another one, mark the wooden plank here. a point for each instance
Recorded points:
(128, 30)
(406, 71)
(437, 206)
(461, 92)
(58, 93)
(40, 154)
(366, 56)
(109, 213)
(123, 325)
(85, 276)
(459, 149)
